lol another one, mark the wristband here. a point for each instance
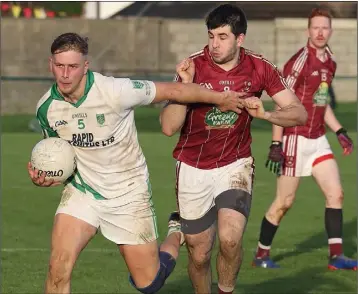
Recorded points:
(341, 131)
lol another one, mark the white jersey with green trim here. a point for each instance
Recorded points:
(101, 128)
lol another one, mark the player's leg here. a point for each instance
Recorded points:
(231, 227)
(234, 188)
(150, 265)
(75, 225)
(326, 174)
(198, 220)
(286, 187)
(132, 226)
(285, 196)
(200, 244)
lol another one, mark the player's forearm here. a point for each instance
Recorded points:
(289, 116)
(331, 120)
(192, 93)
(172, 118)
(277, 133)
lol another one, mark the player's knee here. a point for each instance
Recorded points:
(200, 257)
(60, 268)
(280, 207)
(335, 197)
(167, 265)
(230, 245)
(286, 203)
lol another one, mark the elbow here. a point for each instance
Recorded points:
(168, 131)
(167, 127)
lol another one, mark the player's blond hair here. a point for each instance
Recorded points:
(70, 41)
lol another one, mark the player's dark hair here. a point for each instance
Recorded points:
(70, 41)
(227, 14)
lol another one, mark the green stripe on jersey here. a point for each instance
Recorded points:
(41, 116)
(154, 216)
(83, 187)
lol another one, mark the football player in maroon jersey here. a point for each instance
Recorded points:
(215, 168)
(302, 151)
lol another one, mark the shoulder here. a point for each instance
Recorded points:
(197, 54)
(330, 54)
(102, 79)
(259, 61)
(198, 57)
(300, 56)
(108, 82)
(45, 101)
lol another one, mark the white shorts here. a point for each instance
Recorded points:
(197, 189)
(302, 154)
(131, 223)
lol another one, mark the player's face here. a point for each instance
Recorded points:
(69, 69)
(319, 31)
(223, 45)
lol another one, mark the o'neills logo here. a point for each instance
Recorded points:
(52, 173)
(215, 119)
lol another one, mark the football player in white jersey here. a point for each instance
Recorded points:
(110, 189)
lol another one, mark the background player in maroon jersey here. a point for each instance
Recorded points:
(304, 150)
(215, 168)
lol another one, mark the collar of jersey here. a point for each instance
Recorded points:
(89, 82)
(327, 51)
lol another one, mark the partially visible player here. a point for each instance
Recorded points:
(304, 150)
(215, 168)
(110, 189)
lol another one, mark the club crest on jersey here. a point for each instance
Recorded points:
(100, 119)
(247, 86)
(289, 162)
(215, 119)
(321, 97)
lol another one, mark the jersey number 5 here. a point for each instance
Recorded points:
(81, 124)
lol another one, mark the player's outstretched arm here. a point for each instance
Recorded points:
(290, 113)
(193, 93)
(344, 140)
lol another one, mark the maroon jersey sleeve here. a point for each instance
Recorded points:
(273, 81)
(293, 69)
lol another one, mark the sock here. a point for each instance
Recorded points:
(225, 290)
(167, 261)
(334, 226)
(267, 233)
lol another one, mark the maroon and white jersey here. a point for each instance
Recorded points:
(210, 138)
(310, 79)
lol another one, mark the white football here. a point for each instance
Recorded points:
(55, 157)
